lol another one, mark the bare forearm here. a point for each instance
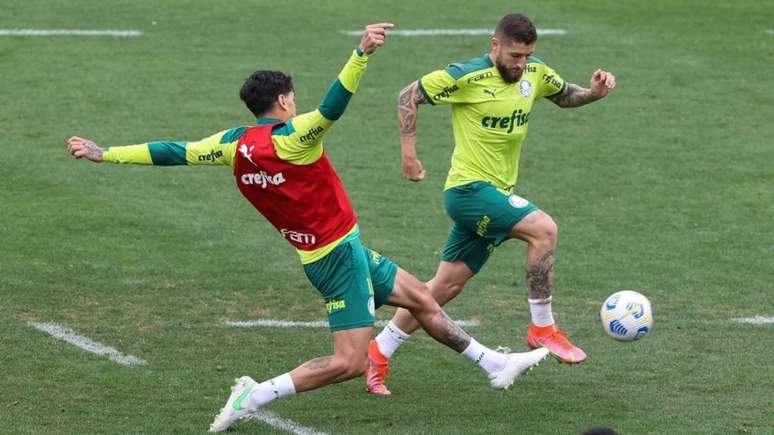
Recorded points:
(574, 96)
(408, 147)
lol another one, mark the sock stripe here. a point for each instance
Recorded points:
(478, 360)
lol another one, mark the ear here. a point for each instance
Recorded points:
(282, 101)
(494, 43)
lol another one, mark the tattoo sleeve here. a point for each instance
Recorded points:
(539, 276)
(573, 96)
(408, 100)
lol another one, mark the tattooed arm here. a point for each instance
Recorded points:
(602, 83)
(408, 100)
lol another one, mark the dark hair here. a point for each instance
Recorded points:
(516, 27)
(262, 88)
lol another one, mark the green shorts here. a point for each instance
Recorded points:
(354, 280)
(483, 216)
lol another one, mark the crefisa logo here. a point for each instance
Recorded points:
(263, 179)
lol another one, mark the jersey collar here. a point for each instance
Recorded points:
(266, 121)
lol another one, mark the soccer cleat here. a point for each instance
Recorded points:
(376, 371)
(236, 407)
(515, 365)
(555, 340)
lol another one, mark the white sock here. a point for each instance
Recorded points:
(272, 389)
(541, 312)
(390, 338)
(484, 357)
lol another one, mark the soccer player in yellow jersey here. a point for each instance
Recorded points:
(280, 166)
(491, 100)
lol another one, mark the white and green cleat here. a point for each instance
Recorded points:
(516, 364)
(235, 408)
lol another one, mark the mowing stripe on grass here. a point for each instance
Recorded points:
(272, 323)
(275, 420)
(72, 337)
(757, 320)
(450, 32)
(69, 32)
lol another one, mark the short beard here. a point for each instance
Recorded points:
(507, 74)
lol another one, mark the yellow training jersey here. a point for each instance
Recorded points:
(489, 116)
(299, 140)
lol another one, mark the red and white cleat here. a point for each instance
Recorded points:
(555, 340)
(376, 371)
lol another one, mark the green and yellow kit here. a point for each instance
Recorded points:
(490, 118)
(352, 278)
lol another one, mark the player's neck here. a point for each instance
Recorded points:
(281, 115)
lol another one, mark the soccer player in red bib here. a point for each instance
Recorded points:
(280, 167)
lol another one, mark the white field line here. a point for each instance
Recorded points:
(69, 32)
(275, 420)
(273, 323)
(449, 32)
(770, 31)
(72, 337)
(757, 320)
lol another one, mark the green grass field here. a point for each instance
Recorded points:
(666, 187)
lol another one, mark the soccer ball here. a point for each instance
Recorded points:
(626, 315)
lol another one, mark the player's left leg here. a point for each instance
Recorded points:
(539, 230)
(350, 348)
(343, 278)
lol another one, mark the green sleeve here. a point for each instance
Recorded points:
(218, 149)
(341, 90)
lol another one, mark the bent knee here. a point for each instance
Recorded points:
(548, 231)
(538, 229)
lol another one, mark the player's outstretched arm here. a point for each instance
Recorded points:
(408, 100)
(602, 83)
(217, 149)
(80, 148)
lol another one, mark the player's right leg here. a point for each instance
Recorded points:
(467, 249)
(448, 282)
(410, 293)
